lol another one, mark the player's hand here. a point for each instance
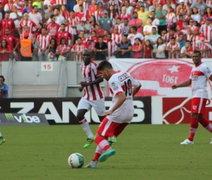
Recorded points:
(174, 86)
(80, 88)
(107, 113)
(83, 84)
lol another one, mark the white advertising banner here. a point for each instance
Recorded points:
(158, 75)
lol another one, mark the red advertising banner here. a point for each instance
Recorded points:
(157, 76)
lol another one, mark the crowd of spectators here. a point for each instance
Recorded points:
(54, 30)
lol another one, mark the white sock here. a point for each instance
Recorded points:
(0, 134)
(85, 126)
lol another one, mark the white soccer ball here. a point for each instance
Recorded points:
(76, 160)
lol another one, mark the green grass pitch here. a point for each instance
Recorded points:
(146, 152)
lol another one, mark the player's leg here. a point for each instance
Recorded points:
(83, 107)
(203, 121)
(196, 106)
(2, 140)
(99, 106)
(105, 129)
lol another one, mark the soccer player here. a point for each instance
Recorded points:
(93, 95)
(198, 81)
(120, 113)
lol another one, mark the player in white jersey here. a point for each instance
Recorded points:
(198, 81)
(120, 113)
(93, 95)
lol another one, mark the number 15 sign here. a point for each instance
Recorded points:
(46, 66)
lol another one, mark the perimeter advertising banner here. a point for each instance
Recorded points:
(63, 110)
(157, 76)
(22, 119)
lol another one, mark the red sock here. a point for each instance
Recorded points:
(206, 124)
(102, 142)
(193, 128)
(98, 153)
(96, 157)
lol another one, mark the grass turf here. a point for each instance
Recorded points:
(148, 152)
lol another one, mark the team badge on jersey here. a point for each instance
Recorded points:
(194, 107)
(123, 77)
(114, 86)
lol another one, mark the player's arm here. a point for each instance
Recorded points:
(96, 81)
(120, 101)
(136, 89)
(184, 84)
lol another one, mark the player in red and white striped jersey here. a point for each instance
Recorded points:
(174, 48)
(43, 41)
(77, 49)
(60, 2)
(206, 29)
(93, 95)
(200, 74)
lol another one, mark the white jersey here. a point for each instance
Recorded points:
(199, 76)
(122, 82)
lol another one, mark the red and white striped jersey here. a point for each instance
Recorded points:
(74, 22)
(112, 47)
(121, 28)
(122, 17)
(206, 30)
(52, 28)
(78, 48)
(168, 37)
(195, 40)
(203, 45)
(115, 2)
(43, 41)
(29, 23)
(173, 47)
(117, 38)
(199, 76)
(189, 37)
(60, 2)
(170, 19)
(8, 7)
(90, 74)
(96, 14)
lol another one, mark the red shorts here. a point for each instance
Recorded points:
(109, 128)
(198, 105)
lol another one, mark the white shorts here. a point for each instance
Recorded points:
(98, 105)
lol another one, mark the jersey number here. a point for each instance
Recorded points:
(128, 87)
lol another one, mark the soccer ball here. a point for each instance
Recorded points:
(76, 160)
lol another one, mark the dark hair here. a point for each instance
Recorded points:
(150, 44)
(157, 41)
(62, 39)
(55, 43)
(197, 52)
(1, 76)
(52, 16)
(134, 27)
(173, 38)
(104, 64)
(113, 12)
(188, 41)
(79, 38)
(94, 21)
(34, 6)
(5, 44)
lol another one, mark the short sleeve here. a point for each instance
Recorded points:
(207, 71)
(115, 87)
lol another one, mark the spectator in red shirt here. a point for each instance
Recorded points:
(11, 40)
(180, 22)
(91, 7)
(63, 34)
(4, 51)
(7, 23)
(52, 27)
